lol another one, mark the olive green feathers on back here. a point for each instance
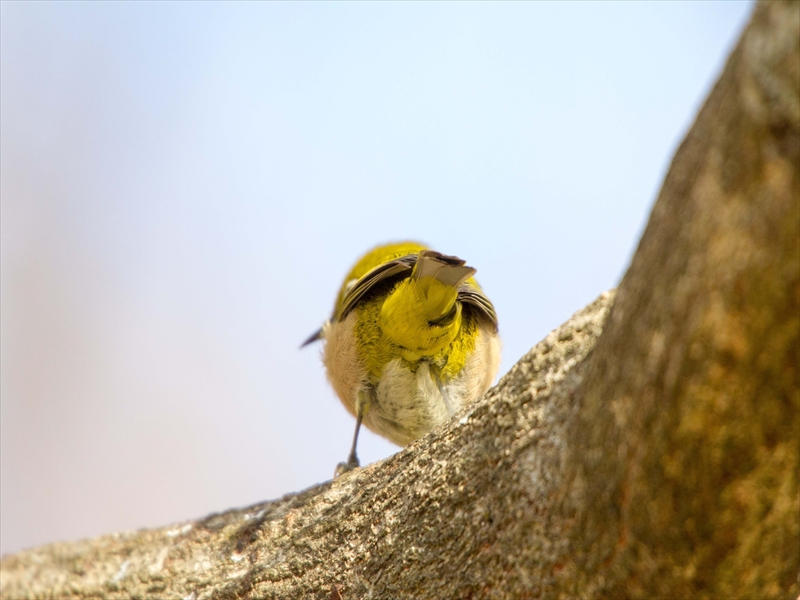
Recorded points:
(354, 290)
(440, 279)
(421, 314)
(394, 262)
(375, 267)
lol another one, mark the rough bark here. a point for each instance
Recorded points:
(659, 459)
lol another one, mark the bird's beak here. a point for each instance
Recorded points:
(317, 335)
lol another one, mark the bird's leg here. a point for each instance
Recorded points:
(362, 405)
(443, 391)
(352, 459)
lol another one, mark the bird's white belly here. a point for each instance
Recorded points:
(406, 405)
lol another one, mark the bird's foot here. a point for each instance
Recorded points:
(346, 467)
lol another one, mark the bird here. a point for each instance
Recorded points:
(412, 339)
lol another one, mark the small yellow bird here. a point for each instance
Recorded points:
(412, 339)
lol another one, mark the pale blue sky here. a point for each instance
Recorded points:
(185, 184)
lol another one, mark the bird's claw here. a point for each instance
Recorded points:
(346, 467)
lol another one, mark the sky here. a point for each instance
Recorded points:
(183, 187)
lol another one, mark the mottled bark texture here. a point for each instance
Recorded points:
(659, 459)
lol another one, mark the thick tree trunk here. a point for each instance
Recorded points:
(660, 461)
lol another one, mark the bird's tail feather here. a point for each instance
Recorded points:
(450, 270)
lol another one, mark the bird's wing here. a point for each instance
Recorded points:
(473, 297)
(399, 266)
(402, 267)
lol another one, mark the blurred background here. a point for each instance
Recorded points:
(184, 186)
